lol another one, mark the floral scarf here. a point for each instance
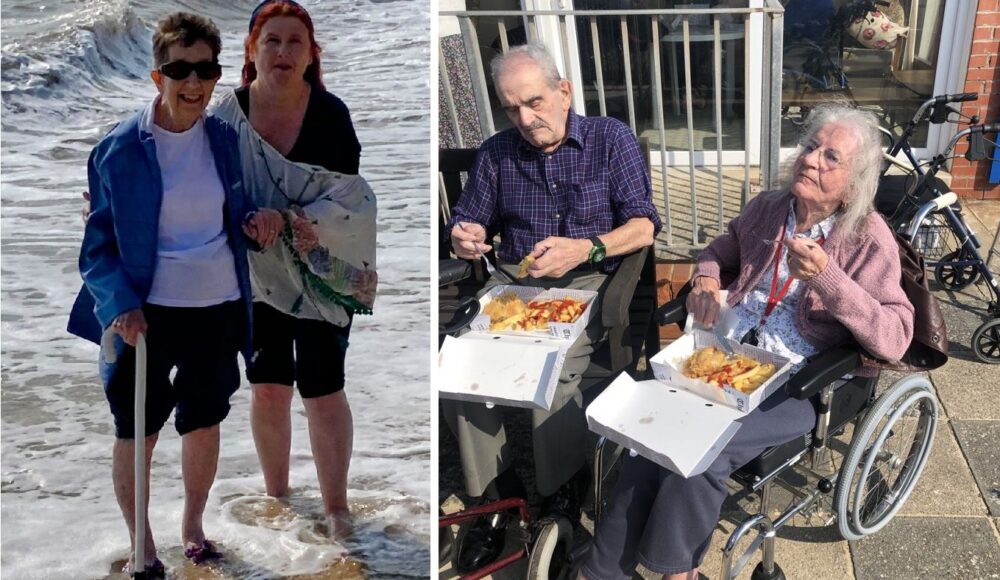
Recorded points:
(323, 268)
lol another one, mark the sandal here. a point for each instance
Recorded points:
(154, 571)
(199, 554)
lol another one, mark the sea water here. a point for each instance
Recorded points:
(70, 70)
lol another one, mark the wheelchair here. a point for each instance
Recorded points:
(545, 543)
(891, 438)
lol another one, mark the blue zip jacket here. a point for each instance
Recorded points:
(118, 256)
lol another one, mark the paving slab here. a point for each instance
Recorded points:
(929, 547)
(963, 386)
(803, 552)
(947, 485)
(963, 313)
(980, 440)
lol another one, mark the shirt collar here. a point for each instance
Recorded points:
(148, 117)
(574, 133)
(823, 228)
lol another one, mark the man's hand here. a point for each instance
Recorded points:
(555, 256)
(130, 325)
(703, 301)
(806, 258)
(264, 227)
(466, 237)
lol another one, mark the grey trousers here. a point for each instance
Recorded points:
(557, 434)
(665, 521)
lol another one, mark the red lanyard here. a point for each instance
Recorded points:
(774, 296)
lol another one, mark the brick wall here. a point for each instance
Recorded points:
(971, 180)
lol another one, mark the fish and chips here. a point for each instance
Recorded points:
(509, 312)
(740, 372)
(526, 263)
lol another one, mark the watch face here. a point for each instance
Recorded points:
(598, 252)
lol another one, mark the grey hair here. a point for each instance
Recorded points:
(537, 53)
(865, 164)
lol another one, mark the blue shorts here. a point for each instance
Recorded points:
(202, 343)
(317, 365)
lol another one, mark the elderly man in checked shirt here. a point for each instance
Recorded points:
(573, 193)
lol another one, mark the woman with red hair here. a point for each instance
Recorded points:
(300, 155)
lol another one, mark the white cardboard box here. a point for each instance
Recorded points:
(667, 365)
(562, 330)
(669, 426)
(512, 371)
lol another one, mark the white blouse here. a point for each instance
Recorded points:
(780, 333)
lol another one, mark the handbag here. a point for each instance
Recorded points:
(929, 346)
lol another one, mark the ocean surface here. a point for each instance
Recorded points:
(70, 70)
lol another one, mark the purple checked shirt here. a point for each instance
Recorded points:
(593, 183)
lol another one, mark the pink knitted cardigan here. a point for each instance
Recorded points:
(856, 297)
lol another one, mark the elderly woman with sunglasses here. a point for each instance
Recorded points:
(164, 255)
(300, 155)
(812, 267)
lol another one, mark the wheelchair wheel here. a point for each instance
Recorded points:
(887, 454)
(986, 342)
(956, 277)
(550, 553)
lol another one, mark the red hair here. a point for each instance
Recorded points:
(278, 9)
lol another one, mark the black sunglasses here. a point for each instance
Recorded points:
(181, 69)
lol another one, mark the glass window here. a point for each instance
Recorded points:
(878, 55)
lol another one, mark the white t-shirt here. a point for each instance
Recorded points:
(194, 264)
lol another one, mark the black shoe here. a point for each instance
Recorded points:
(566, 502)
(482, 543)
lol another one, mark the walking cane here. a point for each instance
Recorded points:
(110, 356)
(140, 458)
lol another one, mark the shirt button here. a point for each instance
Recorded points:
(554, 186)
(558, 216)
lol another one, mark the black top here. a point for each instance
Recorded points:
(327, 137)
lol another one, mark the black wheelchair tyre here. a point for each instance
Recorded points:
(549, 559)
(888, 452)
(986, 342)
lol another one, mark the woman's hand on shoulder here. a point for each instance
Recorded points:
(703, 301)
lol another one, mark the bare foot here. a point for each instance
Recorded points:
(339, 524)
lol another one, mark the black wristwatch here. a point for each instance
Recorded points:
(598, 252)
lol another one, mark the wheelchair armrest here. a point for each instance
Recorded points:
(821, 370)
(453, 270)
(618, 295)
(672, 312)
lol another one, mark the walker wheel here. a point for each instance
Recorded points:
(986, 342)
(956, 277)
(549, 559)
(760, 574)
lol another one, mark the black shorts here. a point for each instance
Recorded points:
(203, 344)
(317, 366)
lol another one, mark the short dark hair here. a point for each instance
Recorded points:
(184, 28)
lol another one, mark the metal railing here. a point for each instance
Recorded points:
(570, 31)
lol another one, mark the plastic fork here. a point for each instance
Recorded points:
(723, 341)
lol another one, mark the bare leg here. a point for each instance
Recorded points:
(199, 459)
(123, 477)
(271, 423)
(331, 434)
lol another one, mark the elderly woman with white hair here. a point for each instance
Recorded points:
(814, 267)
